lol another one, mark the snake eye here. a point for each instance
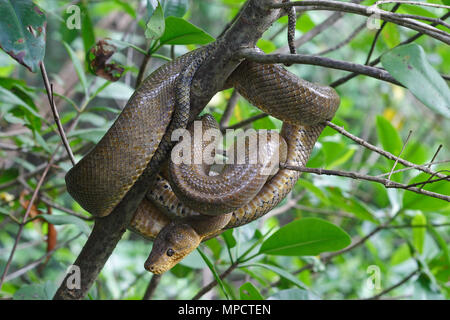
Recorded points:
(170, 252)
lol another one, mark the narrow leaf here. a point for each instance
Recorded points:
(419, 232)
(66, 219)
(213, 270)
(78, 67)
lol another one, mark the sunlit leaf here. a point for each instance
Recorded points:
(180, 31)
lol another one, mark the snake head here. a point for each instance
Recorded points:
(174, 242)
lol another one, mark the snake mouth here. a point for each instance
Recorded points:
(153, 269)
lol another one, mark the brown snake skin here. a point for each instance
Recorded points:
(101, 179)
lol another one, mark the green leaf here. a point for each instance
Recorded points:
(180, 31)
(4, 211)
(87, 28)
(400, 255)
(213, 270)
(249, 292)
(351, 204)
(22, 32)
(388, 136)
(391, 35)
(229, 238)
(44, 291)
(419, 232)
(408, 65)
(306, 237)
(6, 96)
(315, 190)
(413, 200)
(66, 219)
(78, 67)
(176, 8)
(282, 273)
(126, 7)
(266, 45)
(7, 175)
(155, 25)
(441, 242)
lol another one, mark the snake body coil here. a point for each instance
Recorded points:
(101, 179)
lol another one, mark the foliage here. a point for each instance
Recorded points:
(293, 255)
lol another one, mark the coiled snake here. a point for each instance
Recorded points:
(138, 143)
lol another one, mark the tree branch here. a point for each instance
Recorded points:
(254, 55)
(399, 19)
(359, 176)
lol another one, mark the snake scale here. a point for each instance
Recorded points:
(138, 143)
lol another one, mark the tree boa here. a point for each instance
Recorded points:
(187, 205)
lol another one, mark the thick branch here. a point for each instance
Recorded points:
(254, 55)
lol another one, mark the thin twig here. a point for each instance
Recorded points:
(399, 19)
(404, 226)
(374, 62)
(380, 151)
(435, 155)
(34, 264)
(358, 176)
(27, 212)
(231, 104)
(324, 25)
(377, 34)
(213, 283)
(51, 100)
(156, 278)
(245, 122)
(401, 151)
(355, 32)
(428, 165)
(52, 204)
(398, 284)
(416, 3)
